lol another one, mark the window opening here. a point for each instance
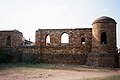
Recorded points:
(65, 38)
(103, 38)
(48, 39)
(8, 41)
(82, 41)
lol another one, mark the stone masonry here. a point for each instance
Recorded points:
(57, 52)
(94, 46)
(11, 38)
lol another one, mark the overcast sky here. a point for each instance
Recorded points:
(29, 15)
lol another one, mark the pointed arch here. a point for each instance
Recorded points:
(82, 40)
(103, 38)
(64, 38)
(8, 41)
(48, 39)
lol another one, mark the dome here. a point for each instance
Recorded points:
(104, 19)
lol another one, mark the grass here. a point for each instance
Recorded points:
(54, 66)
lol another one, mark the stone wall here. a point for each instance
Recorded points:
(30, 54)
(75, 36)
(65, 54)
(72, 52)
(101, 59)
(56, 52)
(20, 54)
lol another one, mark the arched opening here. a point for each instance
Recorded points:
(8, 41)
(65, 38)
(82, 41)
(103, 38)
(48, 40)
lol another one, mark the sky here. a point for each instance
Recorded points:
(27, 16)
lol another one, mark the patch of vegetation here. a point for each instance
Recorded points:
(8, 55)
(30, 58)
(4, 58)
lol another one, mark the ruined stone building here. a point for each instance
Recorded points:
(11, 38)
(94, 46)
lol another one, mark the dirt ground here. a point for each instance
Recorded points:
(52, 74)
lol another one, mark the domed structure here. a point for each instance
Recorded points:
(104, 19)
(103, 43)
(103, 34)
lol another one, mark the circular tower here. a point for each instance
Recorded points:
(103, 43)
(104, 35)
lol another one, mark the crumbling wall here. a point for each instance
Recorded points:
(57, 52)
(75, 36)
(12, 38)
(54, 52)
